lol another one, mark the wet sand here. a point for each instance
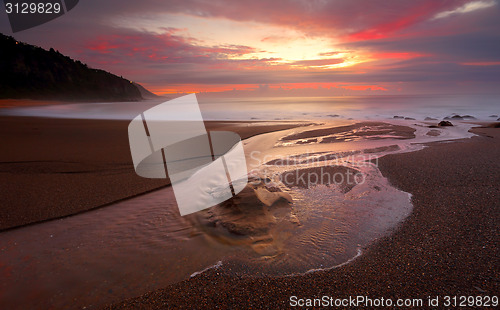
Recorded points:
(447, 246)
(143, 244)
(351, 132)
(57, 167)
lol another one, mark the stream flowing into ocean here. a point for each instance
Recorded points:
(142, 244)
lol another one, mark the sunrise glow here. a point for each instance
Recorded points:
(204, 46)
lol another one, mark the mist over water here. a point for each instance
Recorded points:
(356, 107)
(290, 108)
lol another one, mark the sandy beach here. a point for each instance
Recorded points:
(447, 247)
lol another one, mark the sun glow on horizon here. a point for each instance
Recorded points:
(277, 45)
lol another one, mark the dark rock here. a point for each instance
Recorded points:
(468, 117)
(333, 115)
(493, 115)
(398, 117)
(410, 118)
(445, 123)
(430, 119)
(456, 117)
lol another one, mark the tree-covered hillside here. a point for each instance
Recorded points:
(30, 72)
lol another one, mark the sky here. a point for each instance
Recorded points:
(284, 47)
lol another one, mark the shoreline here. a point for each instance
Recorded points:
(446, 246)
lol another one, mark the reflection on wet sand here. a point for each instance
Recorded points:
(278, 225)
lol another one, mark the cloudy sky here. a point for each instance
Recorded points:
(287, 47)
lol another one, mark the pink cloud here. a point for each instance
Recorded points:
(167, 47)
(402, 40)
(318, 62)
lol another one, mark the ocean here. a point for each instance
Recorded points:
(419, 107)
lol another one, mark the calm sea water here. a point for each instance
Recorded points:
(290, 108)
